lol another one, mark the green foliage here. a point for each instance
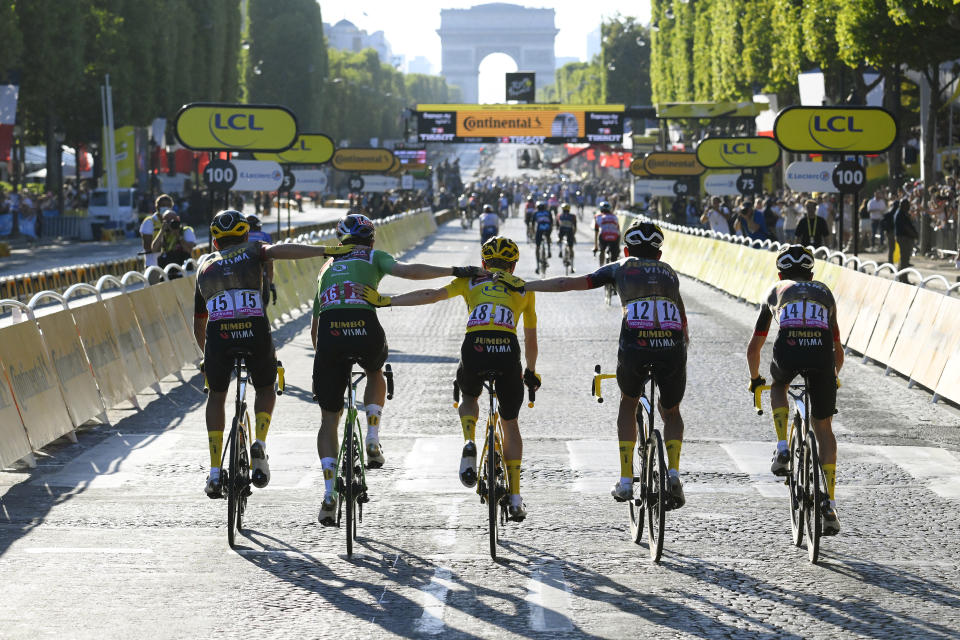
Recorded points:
(625, 61)
(12, 47)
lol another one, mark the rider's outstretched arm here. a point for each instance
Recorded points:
(427, 271)
(757, 340)
(560, 283)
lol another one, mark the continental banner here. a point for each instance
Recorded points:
(520, 123)
(673, 163)
(71, 365)
(103, 349)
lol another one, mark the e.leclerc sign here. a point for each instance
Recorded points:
(360, 159)
(309, 148)
(738, 153)
(835, 129)
(235, 127)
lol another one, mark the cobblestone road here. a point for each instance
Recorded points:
(113, 538)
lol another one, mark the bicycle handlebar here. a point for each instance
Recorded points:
(597, 382)
(388, 374)
(280, 381)
(756, 398)
(531, 396)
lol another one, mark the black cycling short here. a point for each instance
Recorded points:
(669, 367)
(343, 337)
(543, 235)
(225, 339)
(566, 233)
(610, 246)
(818, 365)
(497, 352)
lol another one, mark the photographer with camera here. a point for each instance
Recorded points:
(175, 242)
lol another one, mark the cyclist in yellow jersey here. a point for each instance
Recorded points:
(490, 345)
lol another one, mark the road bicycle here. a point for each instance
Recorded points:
(492, 485)
(566, 255)
(235, 462)
(542, 255)
(651, 498)
(351, 483)
(807, 486)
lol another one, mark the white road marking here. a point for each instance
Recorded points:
(938, 468)
(105, 550)
(753, 458)
(591, 476)
(434, 603)
(432, 466)
(549, 599)
(447, 536)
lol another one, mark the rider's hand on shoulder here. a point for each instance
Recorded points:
(338, 250)
(370, 295)
(510, 281)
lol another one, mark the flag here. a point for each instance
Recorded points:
(8, 118)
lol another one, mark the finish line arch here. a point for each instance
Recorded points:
(467, 36)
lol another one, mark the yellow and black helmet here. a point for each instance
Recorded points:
(500, 248)
(229, 223)
(795, 256)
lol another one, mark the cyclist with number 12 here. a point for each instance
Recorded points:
(653, 334)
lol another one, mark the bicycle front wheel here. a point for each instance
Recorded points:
(638, 504)
(656, 495)
(232, 485)
(348, 494)
(813, 493)
(493, 502)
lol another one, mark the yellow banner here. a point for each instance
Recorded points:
(673, 163)
(637, 168)
(520, 123)
(709, 109)
(835, 129)
(125, 141)
(363, 159)
(309, 148)
(617, 108)
(738, 153)
(239, 127)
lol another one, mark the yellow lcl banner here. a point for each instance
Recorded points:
(235, 127)
(673, 163)
(125, 141)
(309, 148)
(348, 159)
(636, 168)
(738, 153)
(835, 129)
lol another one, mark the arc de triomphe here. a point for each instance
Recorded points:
(467, 36)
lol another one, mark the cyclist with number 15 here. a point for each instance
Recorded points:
(229, 317)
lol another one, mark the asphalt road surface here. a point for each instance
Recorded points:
(114, 538)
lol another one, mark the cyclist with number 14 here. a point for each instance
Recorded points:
(807, 343)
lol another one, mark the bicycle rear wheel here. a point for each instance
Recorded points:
(813, 494)
(349, 497)
(656, 495)
(232, 485)
(638, 504)
(795, 482)
(493, 502)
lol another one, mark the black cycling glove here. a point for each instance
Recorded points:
(759, 381)
(531, 379)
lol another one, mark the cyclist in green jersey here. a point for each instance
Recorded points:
(345, 329)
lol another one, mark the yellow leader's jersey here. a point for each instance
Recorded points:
(492, 306)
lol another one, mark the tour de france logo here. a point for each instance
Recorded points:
(565, 125)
